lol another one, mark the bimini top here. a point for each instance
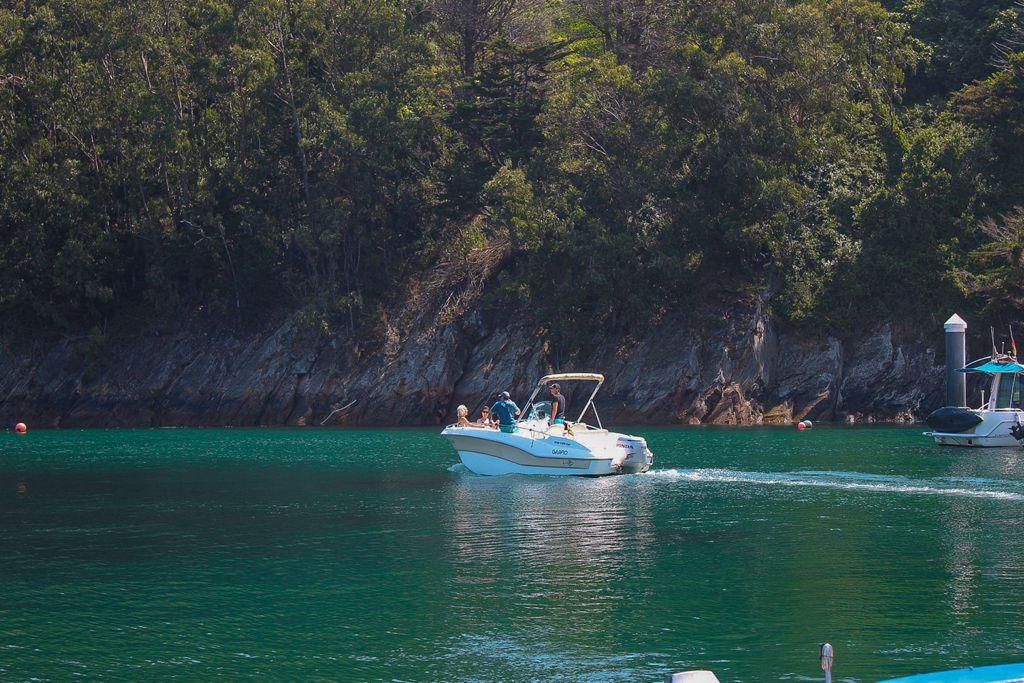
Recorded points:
(580, 375)
(1003, 673)
(998, 366)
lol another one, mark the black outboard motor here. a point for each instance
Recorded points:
(1017, 432)
(953, 420)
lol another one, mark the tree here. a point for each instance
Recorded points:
(468, 25)
(999, 265)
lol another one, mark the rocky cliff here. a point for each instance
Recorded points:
(740, 368)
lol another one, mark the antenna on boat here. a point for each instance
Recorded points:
(992, 331)
(828, 655)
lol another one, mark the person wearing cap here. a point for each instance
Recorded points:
(557, 405)
(505, 410)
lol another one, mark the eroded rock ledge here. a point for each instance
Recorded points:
(745, 371)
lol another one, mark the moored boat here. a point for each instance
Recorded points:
(997, 421)
(1000, 673)
(992, 423)
(536, 446)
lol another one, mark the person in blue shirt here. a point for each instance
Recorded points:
(505, 410)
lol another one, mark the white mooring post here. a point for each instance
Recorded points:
(956, 358)
(827, 656)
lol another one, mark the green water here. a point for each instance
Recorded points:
(360, 555)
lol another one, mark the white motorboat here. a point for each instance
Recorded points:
(999, 673)
(992, 423)
(537, 447)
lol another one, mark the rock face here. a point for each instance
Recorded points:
(741, 369)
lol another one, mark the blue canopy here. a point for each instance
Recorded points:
(994, 365)
(1003, 673)
(995, 368)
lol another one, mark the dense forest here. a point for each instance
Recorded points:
(238, 159)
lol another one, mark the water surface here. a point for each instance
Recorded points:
(364, 555)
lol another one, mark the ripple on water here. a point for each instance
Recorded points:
(853, 481)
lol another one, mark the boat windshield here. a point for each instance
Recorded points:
(539, 411)
(1008, 393)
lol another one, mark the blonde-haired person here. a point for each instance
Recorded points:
(463, 413)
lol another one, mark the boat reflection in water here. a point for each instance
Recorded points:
(550, 529)
(547, 564)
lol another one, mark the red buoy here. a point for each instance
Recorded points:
(21, 427)
(801, 426)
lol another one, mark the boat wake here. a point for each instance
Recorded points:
(856, 481)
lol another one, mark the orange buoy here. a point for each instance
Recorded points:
(21, 427)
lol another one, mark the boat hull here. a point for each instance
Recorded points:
(993, 431)
(493, 453)
(972, 441)
(482, 463)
